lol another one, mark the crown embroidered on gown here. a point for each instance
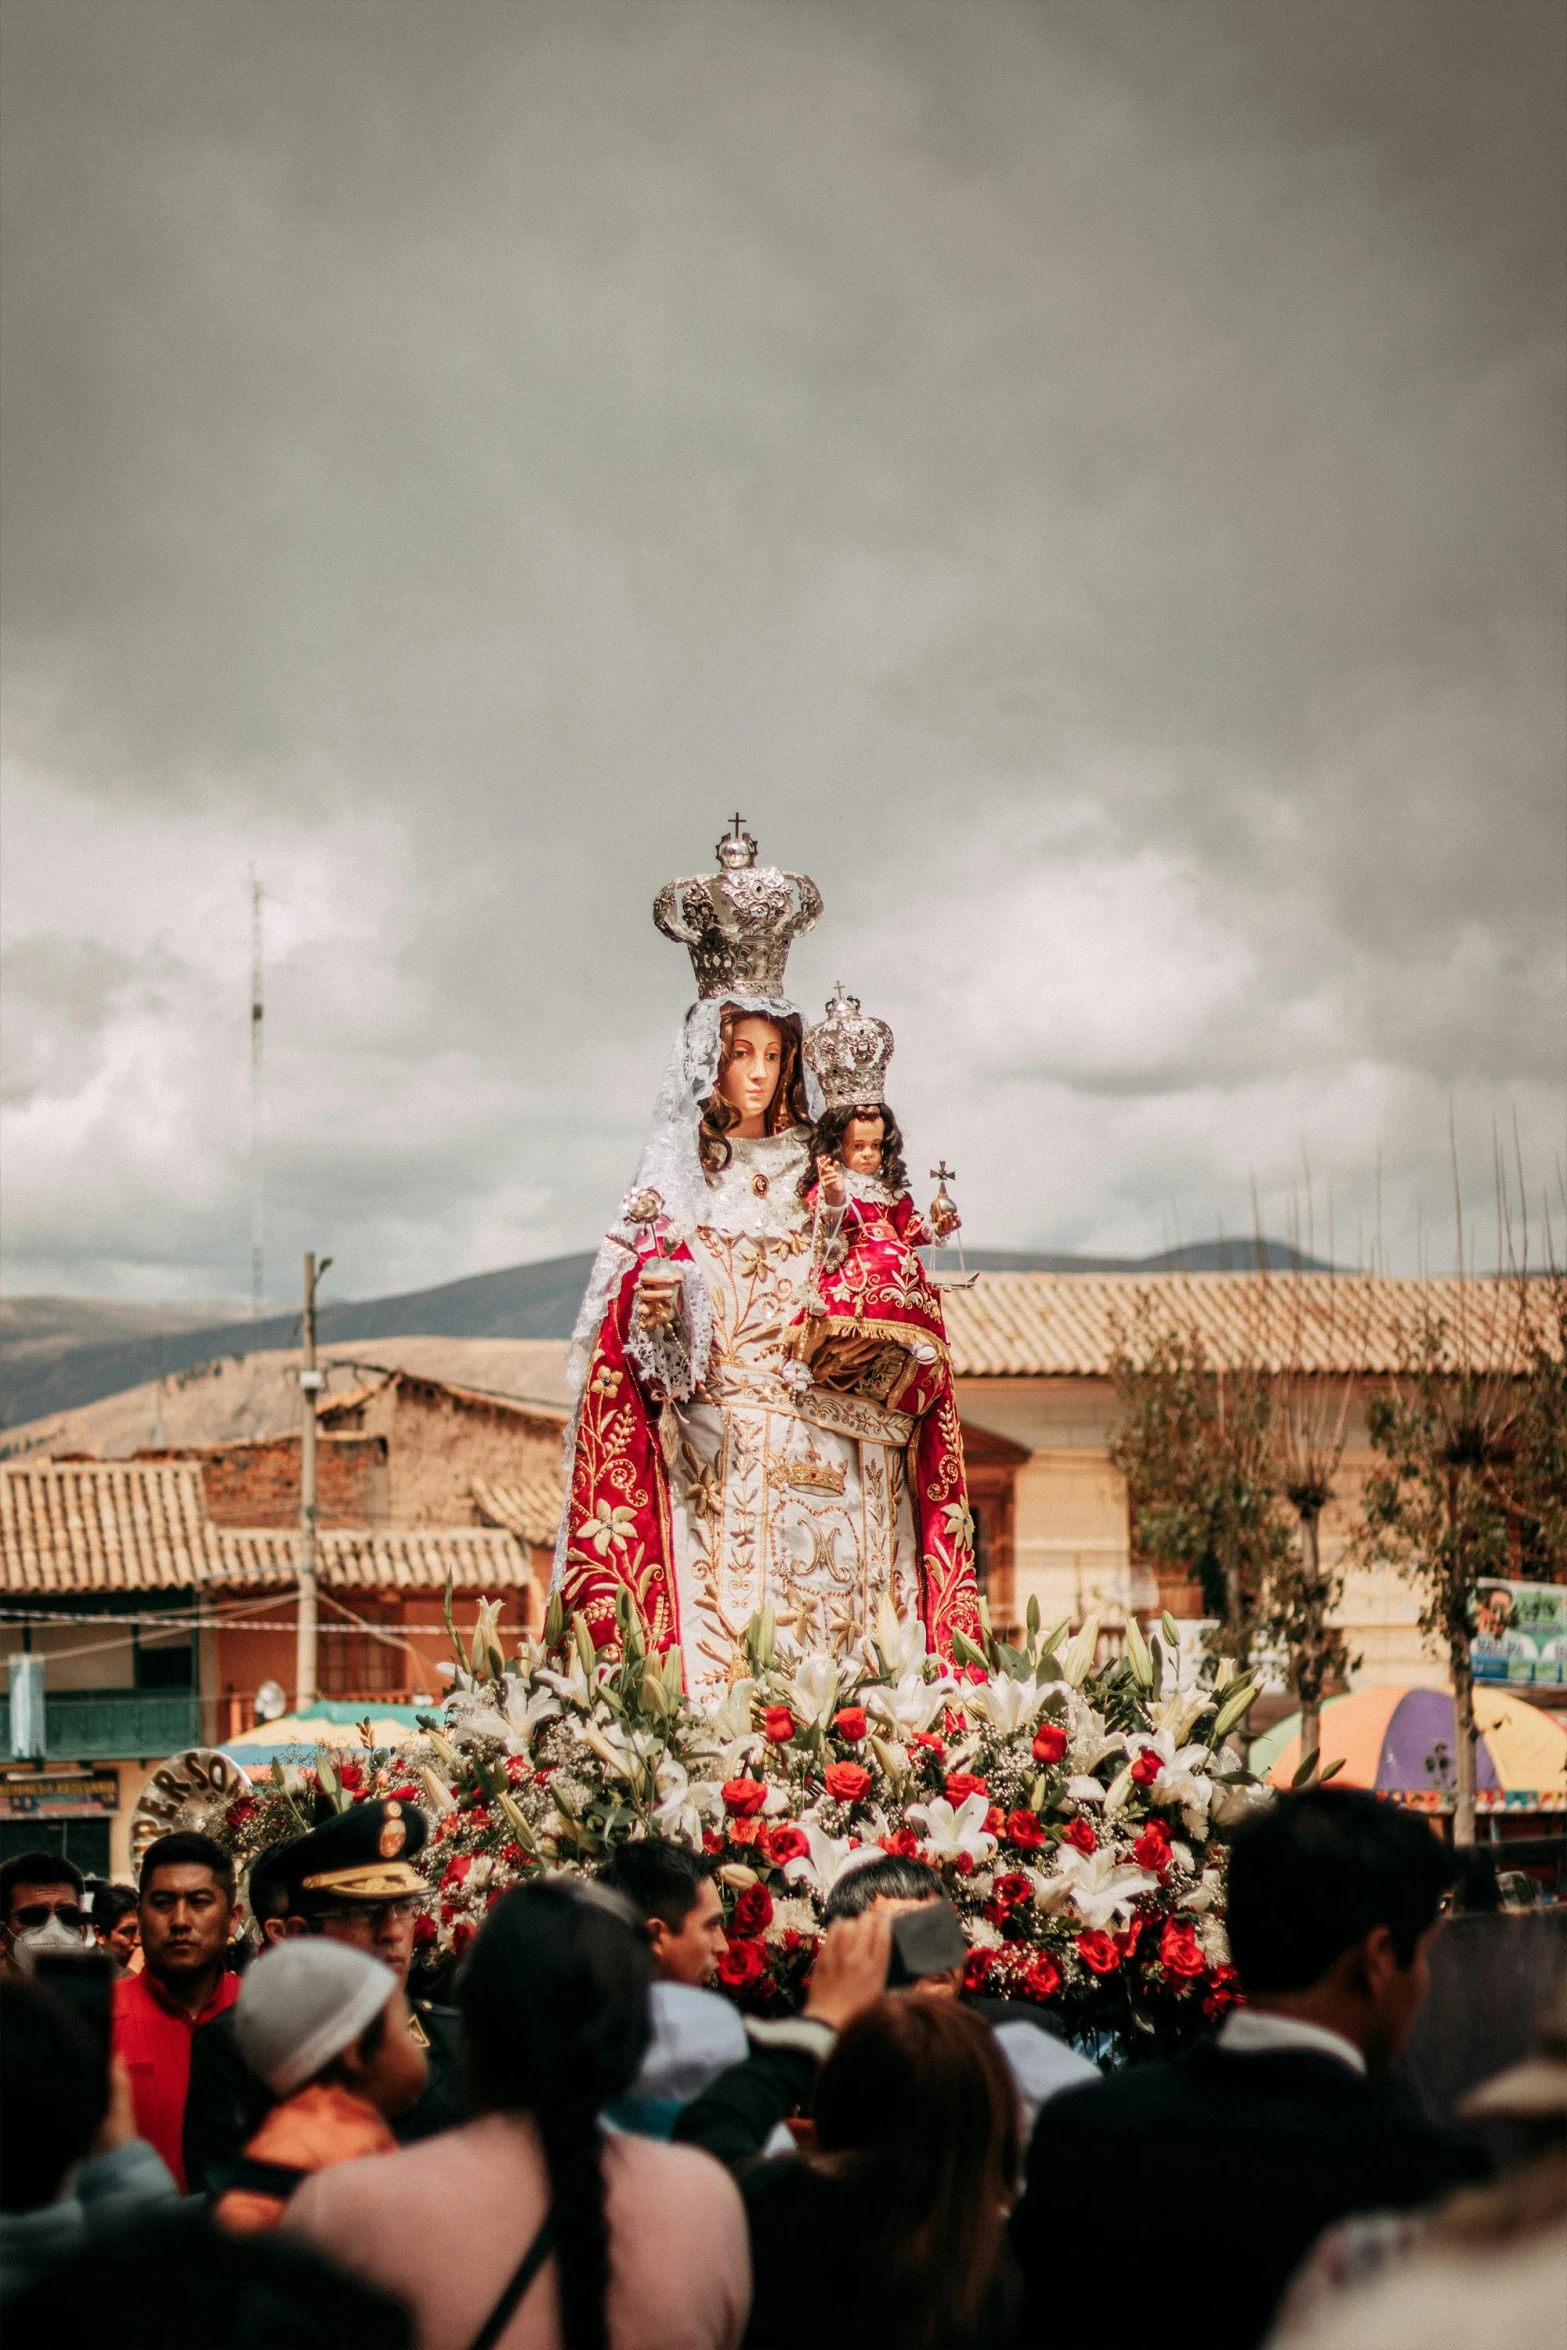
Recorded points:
(849, 1052)
(740, 922)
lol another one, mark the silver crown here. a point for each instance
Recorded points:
(739, 922)
(849, 1052)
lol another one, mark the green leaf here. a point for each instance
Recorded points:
(1332, 1771)
(1172, 1633)
(966, 1653)
(554, 1621)
(1054, 1639)
(1031, 1617)
(1308, 1768)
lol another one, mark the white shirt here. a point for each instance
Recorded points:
(1250, 2031)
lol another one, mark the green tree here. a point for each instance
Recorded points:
(1195, 1442)
(1437, 1507)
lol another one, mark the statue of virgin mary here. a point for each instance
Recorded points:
(710, 1476)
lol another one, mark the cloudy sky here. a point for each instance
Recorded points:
(1085, 478)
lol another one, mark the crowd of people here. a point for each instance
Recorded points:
(269, 2137)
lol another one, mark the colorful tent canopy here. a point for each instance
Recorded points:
(1401, 1742)
(330, 1722)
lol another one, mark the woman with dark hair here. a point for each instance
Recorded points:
(532, 2228)
(902, 2202)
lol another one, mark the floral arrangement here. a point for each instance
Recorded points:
(1074, 1813)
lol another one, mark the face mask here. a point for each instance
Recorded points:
(36, 1942)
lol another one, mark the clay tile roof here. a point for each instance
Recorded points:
(143, 1526)
(528, 1506)
(1031, 1325)
(416, 1558)
(105, 1526)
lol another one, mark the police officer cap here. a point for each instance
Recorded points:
(363, 1854)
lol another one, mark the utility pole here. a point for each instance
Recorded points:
(309, 1388)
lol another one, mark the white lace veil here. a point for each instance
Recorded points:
(670, 1163)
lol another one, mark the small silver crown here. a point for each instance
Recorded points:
(740, 922)
(849, 1052)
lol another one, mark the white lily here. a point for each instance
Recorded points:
(825, 1862)
(1007, 1705)
(1208, 1890)
(684, 1802)
(572, 1685)
(626, 1756)
(1077, 1659)
(732, 1719)
(1176, 1713)
(901, 1641)
(1095, 1885)
(954, 1829)
(1081, 1789)
(814, 1689)
(911, 1704)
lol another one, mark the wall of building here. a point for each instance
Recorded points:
(1072, 1548)
(438, 1441)
(256, 1482)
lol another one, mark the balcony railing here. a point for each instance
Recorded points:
(107, 1725)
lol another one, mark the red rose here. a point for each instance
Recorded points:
(1043, 1979)
(743, 1964)
(351, 1775)
(712, 1845)
(411, 1794)
(424, 1930)
(1126, 1943)
(753, 1910)
(903, 1842)
(1049, 1744)
(1098, 1952)
(962, 1864)
(747, 1831)
(850, 1724)
(778, 1722)
(785, 1844)
(1014, 1887)
(1224, 1992)
(512, 1854)
(995, 1820)
(1146, 1768)
(846, 1782)
(975, 1968)
(518, 1770)
(1025, 1829)
(962, 1784)
(456, 1869)
(1081, 1833)
(926, 1738)
(744, 1797)
(1152, 1849)
(1178, 1951)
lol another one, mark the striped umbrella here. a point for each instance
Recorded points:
(1401, 1742)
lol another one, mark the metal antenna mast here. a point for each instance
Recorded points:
(258, 1184)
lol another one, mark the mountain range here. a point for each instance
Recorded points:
(57, 1353)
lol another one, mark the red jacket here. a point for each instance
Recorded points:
(153, 2034)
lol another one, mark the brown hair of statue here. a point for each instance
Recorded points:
(827, 1143)
(787, 1107)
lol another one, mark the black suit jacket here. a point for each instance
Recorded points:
(226, 2104)
(1172, 2202)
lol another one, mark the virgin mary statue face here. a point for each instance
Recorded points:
(749, 1077)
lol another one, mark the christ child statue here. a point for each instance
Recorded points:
(873, 1324)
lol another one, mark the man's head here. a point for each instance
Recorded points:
(186, 1912)
(40, 1904)
(351, 1880)
(895, 1886)
(672, 1890)
(114, 1923)
(1333, 1897)
(54, 2092)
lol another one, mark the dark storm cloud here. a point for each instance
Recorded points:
(1118, 445)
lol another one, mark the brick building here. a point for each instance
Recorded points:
(160, 1590)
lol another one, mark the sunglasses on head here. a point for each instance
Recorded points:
(38, 1913)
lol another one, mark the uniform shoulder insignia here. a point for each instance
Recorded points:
(416, 2031)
